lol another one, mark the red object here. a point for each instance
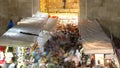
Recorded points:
(2, 48)
(55, 17)
(2, 61)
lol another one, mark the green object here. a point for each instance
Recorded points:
(50, 65)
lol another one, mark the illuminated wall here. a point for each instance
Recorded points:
(57, 6)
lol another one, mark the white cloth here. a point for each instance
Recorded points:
(12, 65)
(51, 24)
(40, 14)
(35, 65)
(78, 55)
(8, 55)
(42, 39)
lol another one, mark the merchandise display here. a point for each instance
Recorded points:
(54, 43)
(58, 48)
(62, 47)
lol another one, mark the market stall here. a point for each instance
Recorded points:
(37, 20)
(40, 20)
(95, 42)
(20, 36)
(28, 29)
(40, 42)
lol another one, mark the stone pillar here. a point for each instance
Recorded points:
(83, 9)
(35, 6)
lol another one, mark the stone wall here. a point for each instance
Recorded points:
(107, 12)
(15, 10)
(83, 9)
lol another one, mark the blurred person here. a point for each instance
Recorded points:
(12, 65)
(36, 57)
(92, 61)
(8, 57)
